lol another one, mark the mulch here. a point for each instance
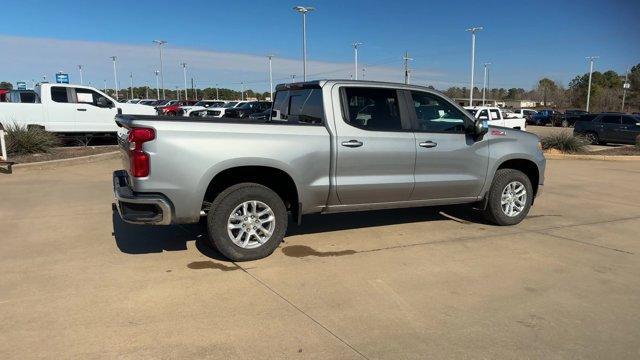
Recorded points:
(63, 153)
(619, 150)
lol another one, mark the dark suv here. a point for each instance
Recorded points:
(609, 127)
(248, 108)
(544, 117)
(570, 117)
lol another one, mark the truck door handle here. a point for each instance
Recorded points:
(352, 143)
(428, 144)
(81, 109)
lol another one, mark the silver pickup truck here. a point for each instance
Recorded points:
(329, 146)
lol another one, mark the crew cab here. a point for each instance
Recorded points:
(70, 110)
(609, 128)
(329, 146)
(248, 108)
(495, 117)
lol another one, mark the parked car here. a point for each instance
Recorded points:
(322, 155)
(525, 113)
(173, 108)
(248, 108)
(609, 128)
(72, 110)
(216, 112)
(495, 117)
(200, 105)
(544, 117)
(570, 117)
(19, 96)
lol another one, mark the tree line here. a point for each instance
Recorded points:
(606, 92)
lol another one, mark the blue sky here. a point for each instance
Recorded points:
(226, 42)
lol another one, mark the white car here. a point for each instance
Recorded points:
(201, 105)
(217, 112)
(495, 117)
(70, 109)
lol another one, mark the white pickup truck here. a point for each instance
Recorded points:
(70, 110)
(495, 117)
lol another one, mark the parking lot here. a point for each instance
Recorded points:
(415, 283)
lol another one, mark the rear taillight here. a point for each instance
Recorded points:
(139, 160)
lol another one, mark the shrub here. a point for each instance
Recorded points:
(565, 142)
(29, 140)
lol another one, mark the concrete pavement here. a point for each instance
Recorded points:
(414, 283)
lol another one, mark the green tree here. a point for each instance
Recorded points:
(5, 85)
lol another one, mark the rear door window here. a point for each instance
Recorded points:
(374, 109)
(610, 119)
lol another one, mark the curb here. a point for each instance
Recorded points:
(592, 157)
(65, 161)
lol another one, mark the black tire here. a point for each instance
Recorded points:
(226, 202)
(493, 212)
(592, 138)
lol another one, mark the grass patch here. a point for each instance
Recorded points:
(565, 142)
(22, 140)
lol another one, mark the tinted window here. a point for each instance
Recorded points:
(59, 94)
(372, 109)
(589, 117)
(298, 106)
(630, 120)
(434, 114)
(610, 119)
(27, 97)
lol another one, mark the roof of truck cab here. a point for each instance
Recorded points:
(322, 83)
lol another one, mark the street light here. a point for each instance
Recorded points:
(591, 59)
(355, 55)
(473, 58)
(270, 77)
(157, 85)
(131, 78)
(293, 78)
(80, 68)
(625, 86)
(160, 43)
(485, 82)
(304, 10)
(217, 98)
(115, 74)
(242, 93)
(407, 72)
(184, 73)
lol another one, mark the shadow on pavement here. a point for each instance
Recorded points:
(147, 239)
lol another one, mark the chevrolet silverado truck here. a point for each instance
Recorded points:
(329, 146)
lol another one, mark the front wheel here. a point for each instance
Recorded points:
(247, 222)
(509, 198)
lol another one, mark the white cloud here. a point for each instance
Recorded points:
(27, 58)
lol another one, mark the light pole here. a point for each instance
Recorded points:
(157, 85)
(131, 78)
(115, 74)
(485, 83)
(270, 77)
(407, 73)
(184, 73)
(364, 70)
(304, 10)
(355, 56)
(625, 86)
(105, 86)
(473, 31)
(160, 43)
(80, 68)
(591, 59)
(293, 78)
(217, 98)
(242, 92)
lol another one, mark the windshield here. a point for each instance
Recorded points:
(246, 106)
(230, 104)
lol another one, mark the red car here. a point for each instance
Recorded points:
(174, 109)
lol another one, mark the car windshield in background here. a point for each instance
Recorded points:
(202, 103)
(248, 105)
(230, 104)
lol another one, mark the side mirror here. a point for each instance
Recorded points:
(103, 102)
(480, 127)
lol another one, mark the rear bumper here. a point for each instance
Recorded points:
(139, 208)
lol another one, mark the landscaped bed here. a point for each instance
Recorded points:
(58, 153)
(618, 150)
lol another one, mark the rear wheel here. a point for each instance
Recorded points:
(592, 138)
(247, 222)
(509, 198)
